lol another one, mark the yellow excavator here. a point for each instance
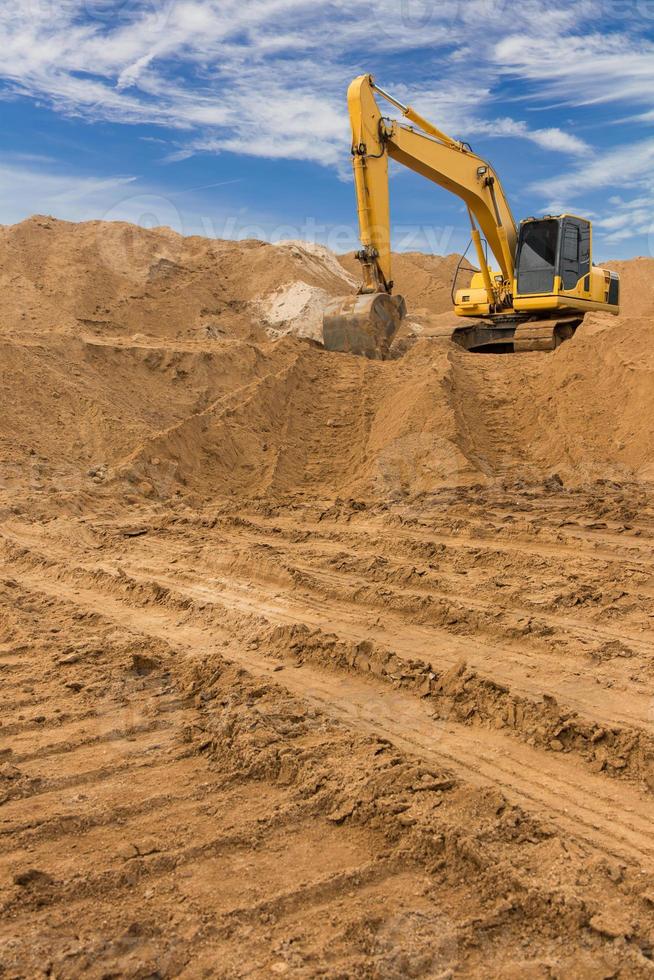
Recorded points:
(544, 282)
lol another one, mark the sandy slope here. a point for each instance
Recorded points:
(313, 665)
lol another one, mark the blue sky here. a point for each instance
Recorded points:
(228, 118)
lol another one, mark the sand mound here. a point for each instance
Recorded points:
(143, 360)
(328, 666)
(114, 279)
(590, 411)
(637, 285)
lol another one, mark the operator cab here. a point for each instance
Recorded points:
(554, 260)
(550, 247)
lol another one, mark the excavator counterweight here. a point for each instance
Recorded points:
(543, 282)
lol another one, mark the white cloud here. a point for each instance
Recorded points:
(582, 68)
(267, 78)
(553, 138)
(626, 219)
(629, 165)
(27, 190)
(558, 140)
(264, 77)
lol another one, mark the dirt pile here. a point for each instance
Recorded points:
(160, 364)
(636, 285)
(325, 666)
(590, 412)
(114, 279)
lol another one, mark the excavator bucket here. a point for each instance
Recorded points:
(365, 324)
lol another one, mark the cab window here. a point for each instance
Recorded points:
(537, 256)
(575, 252)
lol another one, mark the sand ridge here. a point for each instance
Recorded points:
(314, 665)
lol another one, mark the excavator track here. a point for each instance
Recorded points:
(513, 335)
(544, 335)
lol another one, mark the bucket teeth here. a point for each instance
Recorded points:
(365, 324)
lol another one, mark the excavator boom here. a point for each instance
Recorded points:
(434, 155)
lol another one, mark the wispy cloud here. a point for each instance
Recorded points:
(26, 188)
(622, 218)
(582, 68)
(628, 219)
(264, 77)
(629, 165)
(267, 77)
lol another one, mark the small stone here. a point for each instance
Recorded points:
(556, 745)
(135, 531)
(433, 785)
(72, 658)
(425, 688)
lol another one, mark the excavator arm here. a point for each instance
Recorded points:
(430, 152)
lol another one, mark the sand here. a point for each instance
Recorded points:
(314, 665)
